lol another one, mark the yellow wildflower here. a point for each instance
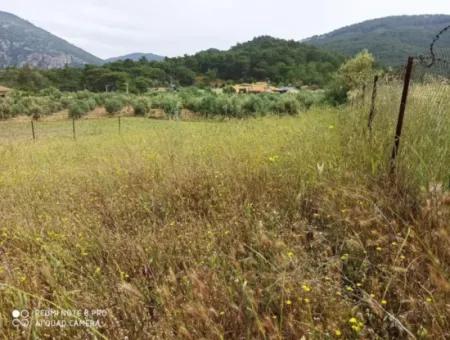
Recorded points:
(353, 320)
(306, 288)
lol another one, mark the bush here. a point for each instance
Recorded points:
(51, 92)
(78, 109)
(141, 107)
(254, 104)
(113, 105)
(336, 93)
(170, 104)
(286, 104)
(65, 102)
(207, 105)
(17, 109)
(91, 103)
(5, 109)
(36, 111)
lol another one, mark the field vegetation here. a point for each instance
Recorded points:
(276, 226)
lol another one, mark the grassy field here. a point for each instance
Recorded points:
(239, 229)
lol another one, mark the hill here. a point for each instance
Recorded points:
(390, 39)
(262, 59)
(137, 57)
(266, 58)
(22, 43)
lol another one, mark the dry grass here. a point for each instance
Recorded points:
(266, 228)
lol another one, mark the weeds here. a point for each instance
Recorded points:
(263, 228)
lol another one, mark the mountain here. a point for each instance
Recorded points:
(22, 43)
(137, 57)
(390, 39)
(265, 58)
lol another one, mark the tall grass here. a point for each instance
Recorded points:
(261, 228)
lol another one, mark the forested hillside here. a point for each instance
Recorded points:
(262, 59)
(391, 40)
(266, 58)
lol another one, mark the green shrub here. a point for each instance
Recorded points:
(65, 102)
(169, 103)
(286, 104)
(51, 92)
(77, 109)
(207, 105)
(141, 107)
(36, 111)
(336, 93)
(310, 98)
(84, 94)
(113, 105)
(254, 104)
(91, 103)
(17, 109)
(100, 99)
(5, 109)
(192, 102)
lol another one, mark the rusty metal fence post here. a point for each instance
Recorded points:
(401, 115)
(372, 105)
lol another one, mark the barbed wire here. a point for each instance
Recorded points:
(432, 59)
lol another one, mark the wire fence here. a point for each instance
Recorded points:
(421, 92)
(72, 129)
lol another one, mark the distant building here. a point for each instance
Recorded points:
(4, 91)
(288, 89)
(260, 87)
(263, 87)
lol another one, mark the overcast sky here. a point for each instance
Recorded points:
(110, 28)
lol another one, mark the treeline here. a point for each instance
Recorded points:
(262, 59)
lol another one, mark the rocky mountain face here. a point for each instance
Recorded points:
(22, 43)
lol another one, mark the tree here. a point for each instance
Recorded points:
(113, 105)
(78, 109)
(358, 71)
(351, 78)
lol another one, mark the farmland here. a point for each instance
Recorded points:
(272, 226)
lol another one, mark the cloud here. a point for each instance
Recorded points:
(172, 27)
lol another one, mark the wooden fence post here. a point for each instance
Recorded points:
(32, 129)
(401, 115)
(372, 105)
(73, 129)
(120, 126)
